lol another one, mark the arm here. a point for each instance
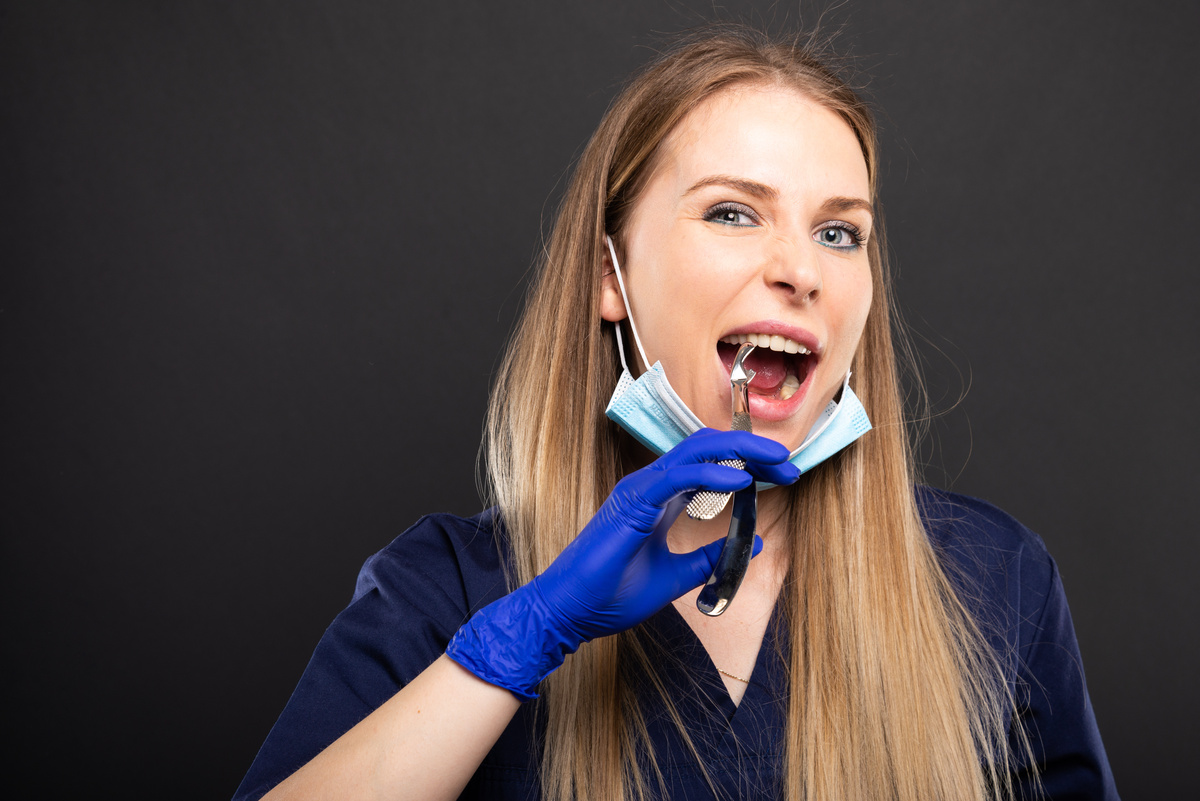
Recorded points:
(446, 720)
(1057, 711)
(1019, 598)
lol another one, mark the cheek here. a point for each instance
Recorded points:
(855, 309)
(864, 303)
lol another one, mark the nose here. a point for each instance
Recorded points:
(794, 270)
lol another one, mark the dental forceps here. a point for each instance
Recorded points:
(731, 567)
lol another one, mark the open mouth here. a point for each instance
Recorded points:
(780, 364)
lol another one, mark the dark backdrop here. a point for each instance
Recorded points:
(257, 262)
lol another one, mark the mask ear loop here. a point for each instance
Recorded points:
(628, 311)
(819, 429)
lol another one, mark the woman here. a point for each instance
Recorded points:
(888, 641)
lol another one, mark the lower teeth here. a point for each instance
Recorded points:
(790, 385)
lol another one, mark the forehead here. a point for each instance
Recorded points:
(772, 134)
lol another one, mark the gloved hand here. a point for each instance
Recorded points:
(618, 571)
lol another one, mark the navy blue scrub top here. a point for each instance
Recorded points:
(414, 594)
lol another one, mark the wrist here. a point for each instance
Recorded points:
(514, 643)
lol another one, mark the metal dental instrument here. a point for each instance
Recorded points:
(723, 584)
(706, 504)
(731, 567)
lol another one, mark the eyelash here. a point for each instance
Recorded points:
(714, 214)
(849, 228)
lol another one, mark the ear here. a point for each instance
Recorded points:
(612, 306)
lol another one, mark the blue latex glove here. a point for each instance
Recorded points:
(618, 571)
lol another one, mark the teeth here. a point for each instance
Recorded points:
(790, 385)
(769, 342)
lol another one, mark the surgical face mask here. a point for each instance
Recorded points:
(651, 410)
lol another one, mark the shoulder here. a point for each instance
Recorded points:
(1001, 569)
(1005, 575)
(960, 520)
(442, 553)
(976, 535)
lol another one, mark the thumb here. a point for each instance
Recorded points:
(697, 566)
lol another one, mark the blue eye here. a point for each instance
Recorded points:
(731, 214)
(840, 236)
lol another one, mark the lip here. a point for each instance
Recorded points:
(772, 409)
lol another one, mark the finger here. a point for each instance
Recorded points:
(698, 565)
(670, 513)
(695, 567)
(641, 497)
(707, 445)
(781, 474)
(663, 485)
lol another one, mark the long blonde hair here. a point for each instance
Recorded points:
(893, 691)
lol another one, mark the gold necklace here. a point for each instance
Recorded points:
(730, 675)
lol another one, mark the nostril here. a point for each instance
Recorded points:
(793, 289)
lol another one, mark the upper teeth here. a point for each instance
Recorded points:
(770, 341)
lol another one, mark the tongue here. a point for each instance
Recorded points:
(770, 368)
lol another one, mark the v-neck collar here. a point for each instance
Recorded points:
(765, 683)
(740, 745)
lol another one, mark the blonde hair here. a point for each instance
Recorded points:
(893, 691)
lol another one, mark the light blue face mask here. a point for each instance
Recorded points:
(651, 410)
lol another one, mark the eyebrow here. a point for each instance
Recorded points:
(764, 192)
(752, 188)
(840, 204)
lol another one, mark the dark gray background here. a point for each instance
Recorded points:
(257, 262)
